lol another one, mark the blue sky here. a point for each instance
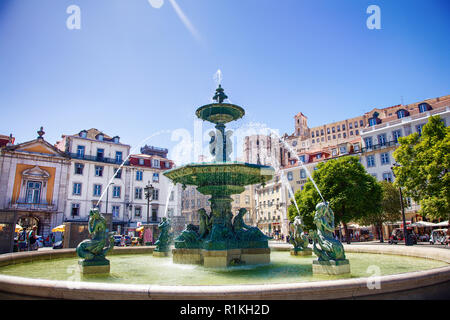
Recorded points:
(133, 70)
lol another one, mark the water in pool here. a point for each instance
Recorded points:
(284, 268)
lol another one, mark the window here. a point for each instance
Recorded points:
(396, 134)
(100, 154)
(382, 139)
(370, 161)
(98, 171)
(155, 163)
(343, 150)
(350, 125)
(368, 142)
(141, 162)
(338, 128)
(116, 139)
(387, 176)
(167, 164)
(356, 124)
(401, 113)
(117, 173)
(312, 141)
(356, 147)
(75, 209)
(80, 152)
(321, 132)
(385, 158)
(76, 189)
(97, 190)
(302, 159)
(138, 193)
(155, 177)
(334, 136)
(361, 123)
(116, 192)
(33, 194)
(317, 133)
(343, 127)
(79, 168)
(156, 196)
(100, 137)
(154, 214)
(318, 156)
(118, 156)
(312, 134)
(83, 134)
(328, 130)
(419, 129)
(137, 212)
(423, 107)
(302, 174)
(356, 132)
(351, 133)
(334, 152)
(172, 196)
(289, 176)
(333, 129)
(115, 211)
(372, 122)
(139, 175)
(344, 135)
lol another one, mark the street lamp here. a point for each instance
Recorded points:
(149, 196)
(405, 234)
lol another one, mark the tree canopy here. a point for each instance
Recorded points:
(424, 168)
(351, 192)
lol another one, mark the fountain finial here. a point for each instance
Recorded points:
(220, 96)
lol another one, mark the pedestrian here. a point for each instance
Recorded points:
(23, 240)
(32, 238)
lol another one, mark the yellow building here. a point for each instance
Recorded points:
(33, 182)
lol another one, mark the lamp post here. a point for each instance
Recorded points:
(405, 234)
(149, 196)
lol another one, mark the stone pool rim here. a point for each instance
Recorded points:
(419, 284)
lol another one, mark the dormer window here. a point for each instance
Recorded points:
(116, 139)
(100, 137)
(424, 107)
(402, 113)
(372, 122)
(83, 134)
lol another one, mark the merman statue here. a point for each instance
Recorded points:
(298, 238)
(326, 247)
(94, 250)
(244, 232)
(164, 239)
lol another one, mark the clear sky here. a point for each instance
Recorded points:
(134, 69)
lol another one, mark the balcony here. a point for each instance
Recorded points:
(23, 205)
(379, 146)
(97, 159)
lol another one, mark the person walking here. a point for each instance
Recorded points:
(32, 238)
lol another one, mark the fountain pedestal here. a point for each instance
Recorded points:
(331, 267)
(300, 253)
(94, 266)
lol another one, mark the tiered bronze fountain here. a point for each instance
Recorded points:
(222, 238)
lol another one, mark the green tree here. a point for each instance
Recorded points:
(351, 192)
(390, 210)
(424, 168)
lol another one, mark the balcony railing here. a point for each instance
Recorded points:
(22, 204)
(379, 146)
(97, 159)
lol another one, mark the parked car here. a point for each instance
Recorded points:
(117, 239)
(438, 236)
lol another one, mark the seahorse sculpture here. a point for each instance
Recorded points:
(298, 238)
(96, 248)
(325, 246)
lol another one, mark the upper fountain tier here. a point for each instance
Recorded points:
(220, 112)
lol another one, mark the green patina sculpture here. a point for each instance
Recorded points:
(94, 250)
(220, 179)
(325, 246)
(165, 238)
(297, 236)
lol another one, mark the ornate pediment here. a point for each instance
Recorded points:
(39, 146)
(36, 173)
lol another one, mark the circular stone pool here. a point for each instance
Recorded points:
(402, 272)
(284, 268)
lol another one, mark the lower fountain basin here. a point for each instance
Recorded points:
(142, 276)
